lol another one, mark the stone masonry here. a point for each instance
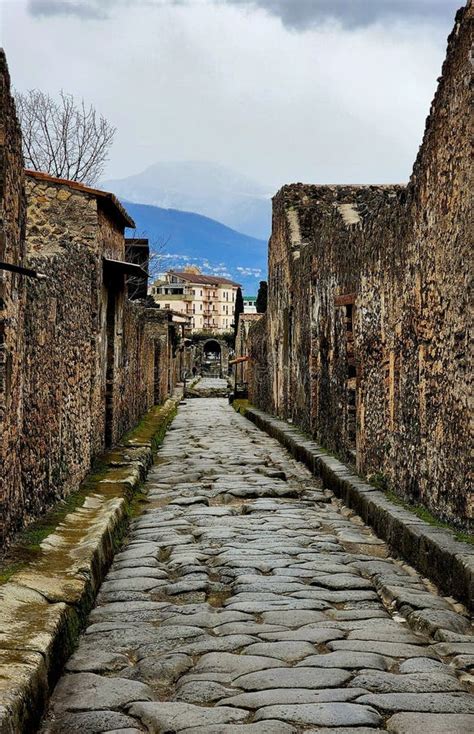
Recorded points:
(80, 363)
(366, 341)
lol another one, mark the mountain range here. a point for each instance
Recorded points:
(210, 189)
(181, 238)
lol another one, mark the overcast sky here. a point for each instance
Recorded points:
(323, 91)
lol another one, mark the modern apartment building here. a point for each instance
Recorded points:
(208, 299)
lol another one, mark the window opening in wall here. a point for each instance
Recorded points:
(156, 374)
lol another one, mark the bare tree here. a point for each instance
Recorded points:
(63, 138)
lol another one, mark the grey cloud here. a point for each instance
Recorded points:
(295, 14)
(84, 9)
(88, 9)
(302, 14)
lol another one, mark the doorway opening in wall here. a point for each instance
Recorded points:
(157, 373)
(351, 381)
(110, 368)
(212, 359)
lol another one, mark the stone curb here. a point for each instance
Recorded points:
(434, 551)
(43, 607)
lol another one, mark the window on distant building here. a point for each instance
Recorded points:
(201, 306)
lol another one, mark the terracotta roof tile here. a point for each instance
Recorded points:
(203, 278)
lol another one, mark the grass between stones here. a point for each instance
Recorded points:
(426, 515)
(380, 481)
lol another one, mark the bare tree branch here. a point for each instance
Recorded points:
(63, 138)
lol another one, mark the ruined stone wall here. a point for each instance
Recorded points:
(77, 359)
(258, 372)
(442, 216)
(367, 322)
(64, 390)
(87, 353)
(246, 322)
(136, 389)
(168, 357)
(12, 295)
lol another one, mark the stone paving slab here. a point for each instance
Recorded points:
(270, 611)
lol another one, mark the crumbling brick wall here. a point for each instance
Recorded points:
(12, 296)
(367, 323)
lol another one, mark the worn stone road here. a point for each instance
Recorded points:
(210, 387)
(246, 601)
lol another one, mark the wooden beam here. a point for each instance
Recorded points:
(22, 271)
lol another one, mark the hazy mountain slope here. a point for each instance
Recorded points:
(206, 188)
(185, 238)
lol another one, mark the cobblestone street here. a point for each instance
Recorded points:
(248, 600)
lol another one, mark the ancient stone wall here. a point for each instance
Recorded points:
(442, 215)
(246, 322)
(86, 354)
(258, 372)
(172, 358)
(12, 297)
(367, 323)
(65, 336)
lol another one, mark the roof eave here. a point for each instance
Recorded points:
(117, 208)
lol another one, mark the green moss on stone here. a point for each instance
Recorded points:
(425, 515)
(241, 406)
(152, 427)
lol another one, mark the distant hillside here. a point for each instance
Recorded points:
(186, 238)
(209, 189)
